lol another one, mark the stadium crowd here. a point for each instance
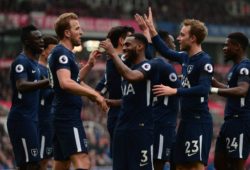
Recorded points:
(231, 12)
(95, 122)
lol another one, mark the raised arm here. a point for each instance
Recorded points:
(124, 70)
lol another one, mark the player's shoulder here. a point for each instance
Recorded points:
(20, 59)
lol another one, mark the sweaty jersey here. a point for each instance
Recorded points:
(66, 105)
(137, 100)
(24, 104)
(238, 105)
(197, 73)
(46, 97)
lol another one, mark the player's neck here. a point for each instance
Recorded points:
(42, 61)
(67, 44)
(30, 54)
(194, 50)
(139, 59)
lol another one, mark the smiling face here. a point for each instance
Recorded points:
(184, 38)
(35, 42)
(130, 48)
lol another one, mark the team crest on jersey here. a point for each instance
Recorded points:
(244, 71)
(49, 150)
(172, 77)
(63, 59)
(34, 152)
(19, 68)
(190, 68)
(208, 68)
(146, 66)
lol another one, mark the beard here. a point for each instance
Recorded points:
(75, 42)
(131, 56)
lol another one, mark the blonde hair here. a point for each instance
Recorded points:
(62, 23)
(197, 28)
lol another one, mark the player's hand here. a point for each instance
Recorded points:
(150, 23)
(141, 23)
(100, 100)
(107, 45)
(161, 90)
(92, 58)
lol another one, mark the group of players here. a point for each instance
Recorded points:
(145, 95)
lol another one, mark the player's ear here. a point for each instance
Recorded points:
(121, 41)
(67, 33)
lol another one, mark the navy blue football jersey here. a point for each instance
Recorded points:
(238, 105)
(137, 110)
(165, 108)
(197, 74)
(25, 105)
(46, 97)
(64, 102)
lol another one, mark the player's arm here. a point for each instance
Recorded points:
(216, 83)
(114, 102)
(158, 43)
(201, 89)
(123, 69)
(67, 84)
(239, 91)
(23, 85)
(88, 66)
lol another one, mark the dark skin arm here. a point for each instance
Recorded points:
(239, 91)
(23, 85)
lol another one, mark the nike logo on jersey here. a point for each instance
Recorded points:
(231, 151)
(33, 71)
(143, 164)
(191, 154)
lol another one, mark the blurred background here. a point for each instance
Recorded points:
(96, 18)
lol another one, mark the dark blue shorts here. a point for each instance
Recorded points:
(25, 141)
(68, 140)
(46, 138)
(234, 138)
(193, 142)
(164, 137)
(133, 150)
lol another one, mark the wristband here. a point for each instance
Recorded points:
(214, 90)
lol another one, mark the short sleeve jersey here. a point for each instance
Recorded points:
(137, 101)
(67, 105)
(238, 105)
(24, 104)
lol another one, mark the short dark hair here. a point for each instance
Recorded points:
(49, 39)
(239, 38)
(140, 37)
(26, 32)
(119, 31)
(163, 34)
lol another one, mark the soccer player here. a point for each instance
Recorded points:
(133, 137)
(165, 120)
(22, 120)
(233, 144)
(70, 143)
(112, 79)
(194, 134)
(46, 97)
